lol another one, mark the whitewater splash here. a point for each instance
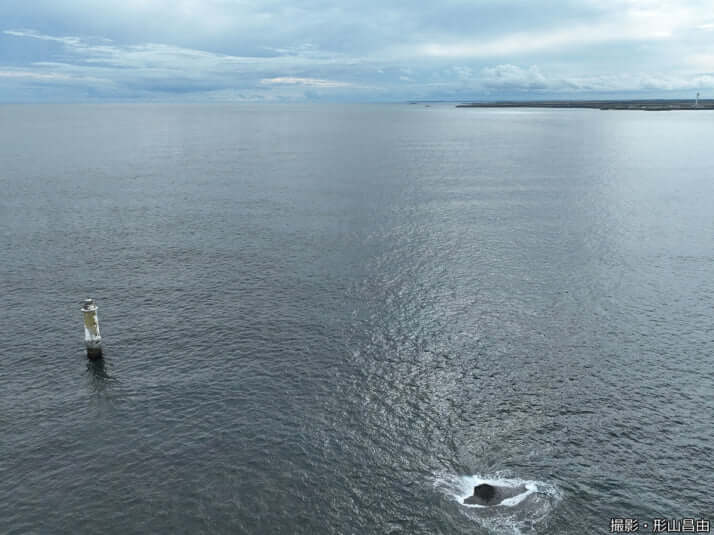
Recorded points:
(518, 514)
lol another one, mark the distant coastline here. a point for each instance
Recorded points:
(647, 105)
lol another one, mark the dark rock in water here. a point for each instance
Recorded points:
(485, 491)
(485, 494)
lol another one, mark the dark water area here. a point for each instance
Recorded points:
(336, 319)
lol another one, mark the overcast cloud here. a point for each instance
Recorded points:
(274, 50)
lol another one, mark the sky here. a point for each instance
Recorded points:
(366, 50)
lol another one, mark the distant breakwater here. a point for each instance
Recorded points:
(647, 105)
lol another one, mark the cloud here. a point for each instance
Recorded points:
(366, 49)
(530, 42)
(172, 69)
(50, 76)
(702, 62)
(70, 41)
(310, 82)
(512, 77)
(515, 79)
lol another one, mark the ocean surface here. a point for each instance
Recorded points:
(339, 318)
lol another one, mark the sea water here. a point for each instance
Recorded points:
(338, 318)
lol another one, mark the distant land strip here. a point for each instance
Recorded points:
(647, 105)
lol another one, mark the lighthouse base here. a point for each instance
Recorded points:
(94, 352)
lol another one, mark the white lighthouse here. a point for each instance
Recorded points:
(92, 338)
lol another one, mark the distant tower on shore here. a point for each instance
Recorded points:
(696, 102)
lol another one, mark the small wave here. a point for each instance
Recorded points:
(517, 514)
